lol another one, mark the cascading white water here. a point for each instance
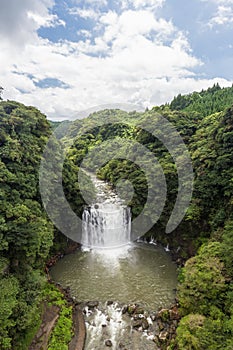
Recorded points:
(110, 320)
(106, 225)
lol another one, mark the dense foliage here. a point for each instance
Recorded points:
(204, 239)
(62, 333)
(205, 291)
(26, 234)
(206, 102)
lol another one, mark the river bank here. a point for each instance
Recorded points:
(57, 300)
(111, 321)
(153, 329)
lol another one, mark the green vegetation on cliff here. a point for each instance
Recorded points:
(206, 102)
(25, 232)
(204, 239)
(205, 291)
(27, 236)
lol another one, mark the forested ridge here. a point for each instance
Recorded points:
(203, 241)
(206, 102)
(26, 233)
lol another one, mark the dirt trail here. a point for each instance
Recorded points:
(50, 316)
(78, 341)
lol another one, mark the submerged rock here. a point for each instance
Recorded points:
(145, 324)
(92, 304)
(138, 310)
(137, 324)
(141, 323)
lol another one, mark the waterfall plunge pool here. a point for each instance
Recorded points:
(136, 273)
(110, 268)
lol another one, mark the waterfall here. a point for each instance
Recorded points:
(106, 225)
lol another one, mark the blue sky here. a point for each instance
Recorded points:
(67, 56)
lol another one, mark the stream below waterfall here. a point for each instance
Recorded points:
(114, 272)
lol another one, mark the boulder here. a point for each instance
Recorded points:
(164, 315)
(153, 317)
(108, 342)
(137, 323)
(174, 313)
(160, 325)
(145, 324)
(92, 304)
(131, 309)
(138, 310)
(124, 309)
(163, 336)
(156, 340)
(141, 322)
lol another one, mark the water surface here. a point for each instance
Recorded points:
(137, 273)
(128, 273)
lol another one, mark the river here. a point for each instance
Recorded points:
(114, 271)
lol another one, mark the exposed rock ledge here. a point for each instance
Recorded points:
(78, 341)
(49, 319)
(50, 316)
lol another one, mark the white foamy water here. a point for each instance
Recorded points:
(106, 225)
(104, 325)
(110, 267)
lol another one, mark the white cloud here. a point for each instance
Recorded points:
(46, 21)
(224, 15)
(16, 25)
(84, 13)
(97, 3)
(121, 29)
(139, 4)
(85, 33)
(139, 22)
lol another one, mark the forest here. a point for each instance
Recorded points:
(203, 241)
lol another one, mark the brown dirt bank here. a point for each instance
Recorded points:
(78, 341)
(49, 318)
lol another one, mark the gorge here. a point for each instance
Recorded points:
(202, 243)
(111, 272)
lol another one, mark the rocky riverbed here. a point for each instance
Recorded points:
(128, 327)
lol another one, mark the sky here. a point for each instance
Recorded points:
(64, 57)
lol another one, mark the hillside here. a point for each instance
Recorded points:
(205, 292)
(206, 102)
(25, 232)
(202, 242)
